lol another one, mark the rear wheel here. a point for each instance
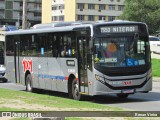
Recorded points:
(74, 90)
(121, 95)
(29, 86)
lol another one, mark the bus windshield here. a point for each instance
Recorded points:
(120, 51)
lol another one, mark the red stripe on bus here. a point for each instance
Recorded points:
(66, 78)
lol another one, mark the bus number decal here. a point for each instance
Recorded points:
(27, 65)
(127, 82)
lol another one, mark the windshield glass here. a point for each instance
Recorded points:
(120, 51)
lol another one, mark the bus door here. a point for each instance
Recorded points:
(16, 59)
(82, 64)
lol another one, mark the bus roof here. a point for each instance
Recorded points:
(46, 30)
(66, 26)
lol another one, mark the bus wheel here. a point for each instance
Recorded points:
(29, 83)
(121, 95)
(75, 90)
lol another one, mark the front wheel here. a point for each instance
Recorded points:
(29, 86)
(74, 92)
(122, 95)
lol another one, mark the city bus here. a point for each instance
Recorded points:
(2, 67)
(81, 59)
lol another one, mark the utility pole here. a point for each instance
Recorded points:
(24, 20)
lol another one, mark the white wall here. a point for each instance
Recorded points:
(115, 2)
(96, 12)
(57, 12)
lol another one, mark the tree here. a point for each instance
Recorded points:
(147, 11)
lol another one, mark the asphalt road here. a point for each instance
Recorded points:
(138, 102)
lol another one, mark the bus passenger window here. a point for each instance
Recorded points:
(42, 45)
(53, 45)
(28, 45)
(10, 46)
(64, 52)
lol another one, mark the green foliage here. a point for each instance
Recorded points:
(156, 67)
(147, 11)
(14, 98)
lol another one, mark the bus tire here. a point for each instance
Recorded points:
(29, 85)
(74, 90)
(121, 95)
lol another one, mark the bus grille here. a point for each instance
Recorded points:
(124, 71)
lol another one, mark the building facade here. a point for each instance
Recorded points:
(11, 12)
(81, 10)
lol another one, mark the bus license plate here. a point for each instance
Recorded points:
(128, 91)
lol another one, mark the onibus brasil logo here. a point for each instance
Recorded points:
(27, 65)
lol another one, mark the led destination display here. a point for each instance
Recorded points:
(118, 29)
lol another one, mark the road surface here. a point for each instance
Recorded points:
(138, 102)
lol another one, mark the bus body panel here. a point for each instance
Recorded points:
(42, 71)
(119, 84)
(91, 82)
(66, 71)
(52, 74)
(10, 68)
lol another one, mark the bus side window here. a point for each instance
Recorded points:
(58, 43)
(50, 46)
(53, 45)
(42, 45)
(68, 48)
(28, 45)
(9, 46)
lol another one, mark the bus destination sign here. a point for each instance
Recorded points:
(118, 29)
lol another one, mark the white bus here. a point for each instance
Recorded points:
(91, 59)
(2, 67)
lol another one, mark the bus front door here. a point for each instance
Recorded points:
(82, 64)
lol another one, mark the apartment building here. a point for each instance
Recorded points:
(81, 10)
(11, 12)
